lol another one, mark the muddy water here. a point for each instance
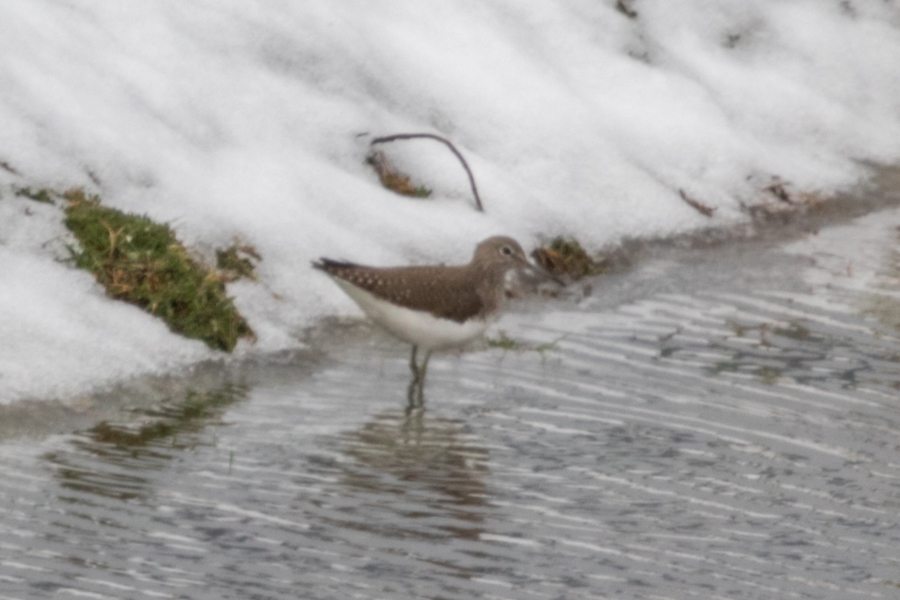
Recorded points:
(716, 423)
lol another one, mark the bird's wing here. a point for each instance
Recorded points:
(420, 288)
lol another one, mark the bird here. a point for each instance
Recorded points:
(436, 306)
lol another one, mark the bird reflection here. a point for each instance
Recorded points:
(410, 453)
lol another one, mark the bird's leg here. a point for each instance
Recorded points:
(415, 395)
(412, 363)
(414, 383)
(420, 399)
(424, 368)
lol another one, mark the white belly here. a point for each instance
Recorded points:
(413, 326)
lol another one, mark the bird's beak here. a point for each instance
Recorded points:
(540, 276)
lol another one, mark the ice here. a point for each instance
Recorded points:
(250, 120)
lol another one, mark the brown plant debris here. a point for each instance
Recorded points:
(780, 203)
(565, 256)
(393, 179)
(703, 209)
(779, 190)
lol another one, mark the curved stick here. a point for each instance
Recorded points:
(409, 136)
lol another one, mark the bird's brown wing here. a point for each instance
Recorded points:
(442, 291)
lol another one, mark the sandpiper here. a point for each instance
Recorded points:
(436, 306)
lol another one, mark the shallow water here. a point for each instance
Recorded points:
(715, 423)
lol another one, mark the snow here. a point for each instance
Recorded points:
(250, 120)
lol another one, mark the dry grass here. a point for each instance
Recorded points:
(394, 180)
(565, 256)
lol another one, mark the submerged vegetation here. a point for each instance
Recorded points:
(143, 263)
(167, 421)
(503, 341)
(507, 343)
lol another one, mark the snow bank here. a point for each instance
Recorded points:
(251, 119)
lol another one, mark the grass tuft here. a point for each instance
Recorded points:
(141, 262)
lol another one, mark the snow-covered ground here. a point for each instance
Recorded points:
(250, 120)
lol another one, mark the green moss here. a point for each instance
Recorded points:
(142, 262)
(421, 192)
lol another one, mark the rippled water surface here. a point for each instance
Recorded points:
(717, 423)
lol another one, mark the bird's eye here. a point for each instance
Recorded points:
(506, 250)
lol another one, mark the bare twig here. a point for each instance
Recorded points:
(410, 136)
(624, 7)
(698, 206)
(7, 167)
